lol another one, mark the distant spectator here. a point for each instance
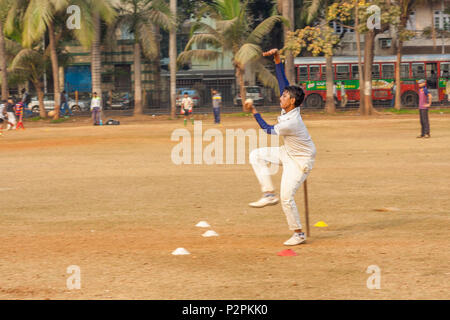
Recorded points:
(2, 115)
(447, 89)
(394, 87)
(26, 99)
(217, 103)
(64, 107)
(96, 108)
(187, 105)
(344, 98)
(19, 109)
(10, 110)
(425, 99)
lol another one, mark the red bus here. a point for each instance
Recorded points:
(434, 68)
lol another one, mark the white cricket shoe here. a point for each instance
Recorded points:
(296, 239)
(265, 201)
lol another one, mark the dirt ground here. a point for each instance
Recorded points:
(111, 201)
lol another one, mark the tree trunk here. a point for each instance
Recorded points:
(368, 61)
(360, 66)
(173, 61)
(96, 59)
(288, 13)
(157, 68)
(3, 65)
(138, 110)
(55, 69)
(242, 91)
(398, 102)
(40, 93)
(330, 107)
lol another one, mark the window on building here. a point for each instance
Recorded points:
(418, 70)
(385, 43)
(343, 72)
(388, 71)
(314, 73)
(404, 71)
(303, 73)
(375, 71)
(125, 33)
(441, 20)
(337, 27)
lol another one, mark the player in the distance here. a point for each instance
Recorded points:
(186, 108)
(296, 156)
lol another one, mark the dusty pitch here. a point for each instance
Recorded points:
(110, 200)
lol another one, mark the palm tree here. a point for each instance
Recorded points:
(38, 19)
(5, 6)
(89, 35)
(231, 33)
(173, 62)
(139, 17)
(288, 14)
(30, 64)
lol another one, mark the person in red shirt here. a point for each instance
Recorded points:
(19, 115)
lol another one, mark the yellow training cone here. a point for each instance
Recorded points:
(320, 224)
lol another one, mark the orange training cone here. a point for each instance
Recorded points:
(287, 253)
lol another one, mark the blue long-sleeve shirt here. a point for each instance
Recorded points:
(282, 83)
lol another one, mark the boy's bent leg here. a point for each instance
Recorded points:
(260, 160)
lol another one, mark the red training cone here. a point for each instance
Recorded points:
(287, 253)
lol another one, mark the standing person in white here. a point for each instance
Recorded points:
(186, 108)
(96, 108)
(296, 156)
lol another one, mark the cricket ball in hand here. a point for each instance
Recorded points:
(248, 103)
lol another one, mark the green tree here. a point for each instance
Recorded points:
(40, 17)
(89, 35)
(140, 17)
(29, 65)
(230, 32)
(357, 12)
(318, 40)
(5, 6)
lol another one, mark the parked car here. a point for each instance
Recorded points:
(49, 104)
(252, 92)
(121, 101)
(191, 92)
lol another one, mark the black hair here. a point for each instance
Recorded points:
(297, 93)
(186, 93)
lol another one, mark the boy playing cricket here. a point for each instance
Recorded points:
(186, 108)
(296, 156)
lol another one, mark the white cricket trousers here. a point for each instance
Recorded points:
(294, 174)
(11, 118)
